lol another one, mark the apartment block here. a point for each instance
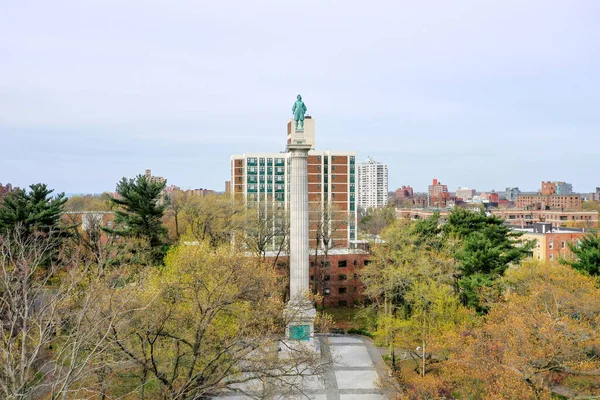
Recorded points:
(465, 193)
(152, 178)
(338, 275)
(263, 180)
(4, 190)
(437, 195)
(556, 187)
(550, 243)
(552, 202)
(373, 184)
(520, 217)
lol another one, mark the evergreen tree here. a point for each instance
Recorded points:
(587, 253)
(139, 211)
(33, 211)
(485, 248)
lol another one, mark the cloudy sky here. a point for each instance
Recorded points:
(485, 94)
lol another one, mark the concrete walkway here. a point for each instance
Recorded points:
(356, 372)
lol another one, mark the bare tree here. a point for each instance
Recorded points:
(327, 222)
(54, 319)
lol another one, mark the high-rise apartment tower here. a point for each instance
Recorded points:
(373, 184)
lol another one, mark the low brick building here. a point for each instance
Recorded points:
(336, 276)
(550, 243)
(519, 217)
(549, 202)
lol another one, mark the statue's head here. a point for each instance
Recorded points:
(299, 97)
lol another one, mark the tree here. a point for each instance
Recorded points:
(217, 218)
(401, 263)
(587, 254)
(266, 229)
(542, 332)
(377, 220)
(88, 203)
(140, 211)
(54, 319)
(327, 222)
(176, 202)
(213, 322)
(33, 211)
(484, 247)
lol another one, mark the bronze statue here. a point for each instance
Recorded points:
(299, 110)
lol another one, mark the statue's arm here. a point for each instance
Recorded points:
(304, 107)
(294, 108)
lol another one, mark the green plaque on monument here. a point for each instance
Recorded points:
(300, 332)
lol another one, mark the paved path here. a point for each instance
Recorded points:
(357, 369)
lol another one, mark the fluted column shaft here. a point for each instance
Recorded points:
(299, 261)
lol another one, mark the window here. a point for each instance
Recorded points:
(312, 277)
(343, 303)
(342, 290)
(562, 244)
(367, 262)
(342, 277)
(326, 277)
(551, 256)
(551, 245)
(342, 263)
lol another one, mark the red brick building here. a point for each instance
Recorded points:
(549, 202)
(4, 190)
(405, 192)
(337, 277)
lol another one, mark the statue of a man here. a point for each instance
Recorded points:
(299, 110)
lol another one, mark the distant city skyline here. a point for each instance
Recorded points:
(486, 96)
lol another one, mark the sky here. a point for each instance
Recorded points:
(476, 93)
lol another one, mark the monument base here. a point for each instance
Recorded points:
(300, 315)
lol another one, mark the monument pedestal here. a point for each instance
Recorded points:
(300, 330)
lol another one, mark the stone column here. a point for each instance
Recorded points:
(299, 312)
(299, 261)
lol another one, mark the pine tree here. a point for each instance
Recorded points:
(33, 211)
(587, 253)
(140, 210)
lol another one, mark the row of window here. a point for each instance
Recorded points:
(341, 277)
(340, 263)
(269, 178)
(253, 187)
(254, 161)
(255, 170)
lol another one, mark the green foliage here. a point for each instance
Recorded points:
(33, 211)
(377, 220)
(587, 253)
(428, 231)
(140, 211)
(471, 286)
(360, 331)
(489, 251)
(485, 248)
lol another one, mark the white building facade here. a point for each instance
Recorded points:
(372, 184)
